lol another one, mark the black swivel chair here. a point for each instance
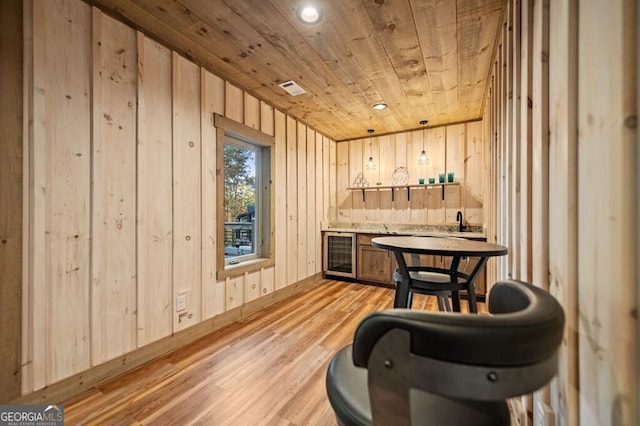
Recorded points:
(439, 368)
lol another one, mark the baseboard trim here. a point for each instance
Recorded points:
(77, 384)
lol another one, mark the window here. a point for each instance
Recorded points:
(244, 191)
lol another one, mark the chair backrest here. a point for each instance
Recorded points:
(511, 352)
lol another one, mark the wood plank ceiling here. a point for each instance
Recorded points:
(427, 59)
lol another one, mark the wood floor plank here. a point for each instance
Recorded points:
(265, 369)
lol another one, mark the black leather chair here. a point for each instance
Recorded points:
(440, 368)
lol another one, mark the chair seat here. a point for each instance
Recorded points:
(433, 277)
(348, 393)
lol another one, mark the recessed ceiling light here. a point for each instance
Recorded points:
(309, 13)
(379, 106)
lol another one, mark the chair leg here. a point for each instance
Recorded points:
(443, 304)
(471, 295)
(455, 300)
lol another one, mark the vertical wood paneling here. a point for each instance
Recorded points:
(212, 102)
(301, 180)
(370, 207)
(267, 285)
(540, 148)
(574, 206)
(312, 229)
(234, 292)
(462, 154)
(266, 118)
(455, 149)
(334, 191)
(160, 150)
(455, 155)
(292, 202)
(563, 213)
(413, 147)
(502, 153)
(540, 161)
(417, 205)
(386, 162)
(251, 111)
(113, 268)
(516, 146)
(12, 168)
(400, 203)
(33, 128)
(472, 179)
(436, 150)
(233, 102)
(607, 173)
(511, 168)
(387, 151)
(154, 211)
(526, 108)
(322, 188)
(343, 197)
(186, 190)
(214, 299)
(356, 166)
(60, 233)
(451, 203)
(282, 222)
(433, 203)
(251, 286)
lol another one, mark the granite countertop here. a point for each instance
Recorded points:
(471, 231)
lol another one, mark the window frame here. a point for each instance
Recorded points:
(265, 235)
(232, 139)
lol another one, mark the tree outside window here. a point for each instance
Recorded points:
(239, 200)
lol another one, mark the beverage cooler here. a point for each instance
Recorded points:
(339, 254)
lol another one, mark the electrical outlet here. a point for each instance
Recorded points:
(181, 302)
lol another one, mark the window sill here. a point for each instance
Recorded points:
(241, 268)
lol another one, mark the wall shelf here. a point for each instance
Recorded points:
(407, 187)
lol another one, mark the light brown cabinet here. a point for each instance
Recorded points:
(374, 264)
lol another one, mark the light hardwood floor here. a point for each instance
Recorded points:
(266, 369)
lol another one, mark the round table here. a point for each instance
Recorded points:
(457, 248)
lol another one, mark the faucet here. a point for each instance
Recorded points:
(459, 220)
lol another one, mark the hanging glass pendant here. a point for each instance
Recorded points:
(370, 164)
(423, 160)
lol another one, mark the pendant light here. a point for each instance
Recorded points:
(370, 164)
(423, 160)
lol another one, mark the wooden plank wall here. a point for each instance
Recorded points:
(571, 222)
(154, 193)
(11, 200)
(458, 148)
(563, 197)
(113, 194)
(122, 217)
(59, 247)
(607, 178)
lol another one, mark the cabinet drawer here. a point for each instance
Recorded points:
(365, 239)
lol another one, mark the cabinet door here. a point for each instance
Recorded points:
(374, 264)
